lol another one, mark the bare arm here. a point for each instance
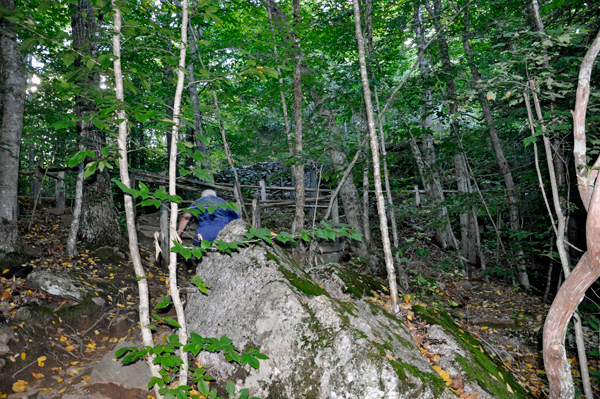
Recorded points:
(183, 222)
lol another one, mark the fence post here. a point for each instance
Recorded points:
(59, 191)
(263, 190)
(417, 197)
(37, 185)
(256, 213)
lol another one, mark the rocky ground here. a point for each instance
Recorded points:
(56, 345)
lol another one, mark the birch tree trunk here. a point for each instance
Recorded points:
(182, 331)
(74, 228)
(511, 194)
(144, 307)
(586, 272)
(387, 248)
(13, 103)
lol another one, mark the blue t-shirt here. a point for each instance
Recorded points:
(209, 224)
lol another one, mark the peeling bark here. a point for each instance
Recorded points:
(586, 272)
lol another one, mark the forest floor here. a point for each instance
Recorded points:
(53, 355)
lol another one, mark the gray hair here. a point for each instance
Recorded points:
(209, 193)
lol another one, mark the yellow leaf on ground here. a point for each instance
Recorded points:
(85, 378)
(409, 317)
(70, 348)
(23, 355)
(63, 339)
(38, 376)
(46, 389)
(390, 357)
(41, 361)
(20, 386)
(484, 328)
(407, 298)
(508, 388)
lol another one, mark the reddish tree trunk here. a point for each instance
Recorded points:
(587, 270)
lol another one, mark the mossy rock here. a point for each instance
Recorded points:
(469, 357)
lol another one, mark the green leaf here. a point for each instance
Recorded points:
(530, 139)
(28, 45)
(198, 282)
(90, 64)
(304, 236)
(90, 169)
(79, 157)
(170, 321)
(164, 302)
(203, 388)
(69, 58)
(123, 351)
(230, 388)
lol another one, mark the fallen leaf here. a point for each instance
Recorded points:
(508, 388)
(38, 376)
(70, 348)
(23, 355)
(20, 386)
(41, 360)
(46, 389)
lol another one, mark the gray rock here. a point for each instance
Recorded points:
(328, 276)
(330, 251)
(466, 285)
(23, 314)
(99, 301)
(6, 334)
(318, 346)
(112, 371)
(4, 349)
(57, 284)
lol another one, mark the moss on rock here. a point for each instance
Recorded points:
(478, 365)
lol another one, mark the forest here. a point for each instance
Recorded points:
(463, 135)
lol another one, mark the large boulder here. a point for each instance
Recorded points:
(322, 340)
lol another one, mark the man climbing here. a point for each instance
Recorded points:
(209, 223)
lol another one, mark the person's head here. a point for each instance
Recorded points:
(209, 193)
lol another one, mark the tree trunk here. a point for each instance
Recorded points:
(468, 218)
(74, 228)
(198, 128)
(13, 88)
(173, 287)
(434, 192)
(298, 223)
(273, 10)
(387, 248)
(586, 272)
(498, 153)
(350, 200)
(144, 307)
(98, 218)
